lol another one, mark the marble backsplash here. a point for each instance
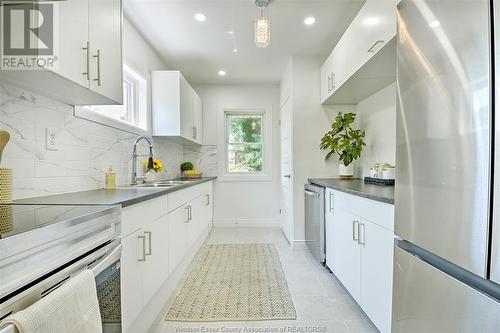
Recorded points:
(204, 159)
(86, 149)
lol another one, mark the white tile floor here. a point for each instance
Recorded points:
(321, 302)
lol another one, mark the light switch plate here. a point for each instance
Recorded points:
(52, 138)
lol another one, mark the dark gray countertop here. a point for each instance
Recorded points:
(121, 196)
(359, 188)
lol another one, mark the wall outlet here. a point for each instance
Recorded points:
(51, 138)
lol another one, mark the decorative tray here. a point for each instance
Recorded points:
(379, 181)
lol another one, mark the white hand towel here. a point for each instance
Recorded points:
(73, 307)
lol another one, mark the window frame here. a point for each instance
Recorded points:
(140, 112)
(266, 142)
(227, 143)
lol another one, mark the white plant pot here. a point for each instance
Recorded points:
(346, 172)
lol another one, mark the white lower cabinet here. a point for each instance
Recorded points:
(155, 240)
(178, 240)
(376, 274)
(131, 277)
(348, 253)
(359, 251)
(156, 266)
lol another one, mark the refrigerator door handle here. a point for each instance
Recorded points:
(474, 281)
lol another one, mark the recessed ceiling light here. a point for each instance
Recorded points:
(235, 50)
(434, 24)
(200, 17)
(309, 20)
(371, 21)
(231, 32)
(222, 73)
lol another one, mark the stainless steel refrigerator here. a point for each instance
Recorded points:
(447, 205)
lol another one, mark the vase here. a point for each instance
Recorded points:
(346, 172)
(6, 220)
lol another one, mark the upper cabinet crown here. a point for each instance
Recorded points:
(364, 59)
(88, 68)
(177, 108)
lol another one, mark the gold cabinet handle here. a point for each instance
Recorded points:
(97, 56)
(87, 55)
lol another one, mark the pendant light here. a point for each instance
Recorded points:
(262, 25)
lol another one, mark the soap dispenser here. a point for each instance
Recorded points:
(110, 179)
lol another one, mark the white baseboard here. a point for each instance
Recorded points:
(299, 245)
(246, 223)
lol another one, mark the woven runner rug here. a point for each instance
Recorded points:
(234, 282)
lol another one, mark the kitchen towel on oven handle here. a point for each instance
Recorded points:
(73, 307)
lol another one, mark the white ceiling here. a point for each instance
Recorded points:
(200, 49)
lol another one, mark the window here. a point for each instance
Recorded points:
(131, 115)
(244, 141)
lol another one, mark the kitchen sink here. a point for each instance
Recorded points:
(152, 185)
(159, 184)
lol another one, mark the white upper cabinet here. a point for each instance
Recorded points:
(106, 72)
(197, 118)
(74, 31)
(364, 59)
(177, 108)
(88, 67)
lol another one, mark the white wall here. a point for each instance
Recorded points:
(310, 121)
(238, 202)
(86, 148)
(377, 115)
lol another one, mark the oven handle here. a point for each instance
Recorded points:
(105, 262)
(311, 193)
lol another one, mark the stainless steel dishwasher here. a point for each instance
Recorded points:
(315, 220)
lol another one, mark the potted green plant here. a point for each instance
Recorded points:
(345, 142)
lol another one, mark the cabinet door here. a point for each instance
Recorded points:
(156, 265)
(339, 64)
(330, 231)
(198, 118)
(347, 252)
(187, 117)
(376, 273)
(131, 277)
(105, 36)
(326, 78)
(372, 28)
(209, 207)
(73, 29)
(198, 224)
(177, 236)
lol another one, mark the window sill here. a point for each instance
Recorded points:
(83, 113)
(244, 178)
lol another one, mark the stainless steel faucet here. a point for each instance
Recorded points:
(135, 178)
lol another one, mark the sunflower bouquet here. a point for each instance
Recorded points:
(157, 166)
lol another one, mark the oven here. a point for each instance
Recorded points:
(83, 238)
